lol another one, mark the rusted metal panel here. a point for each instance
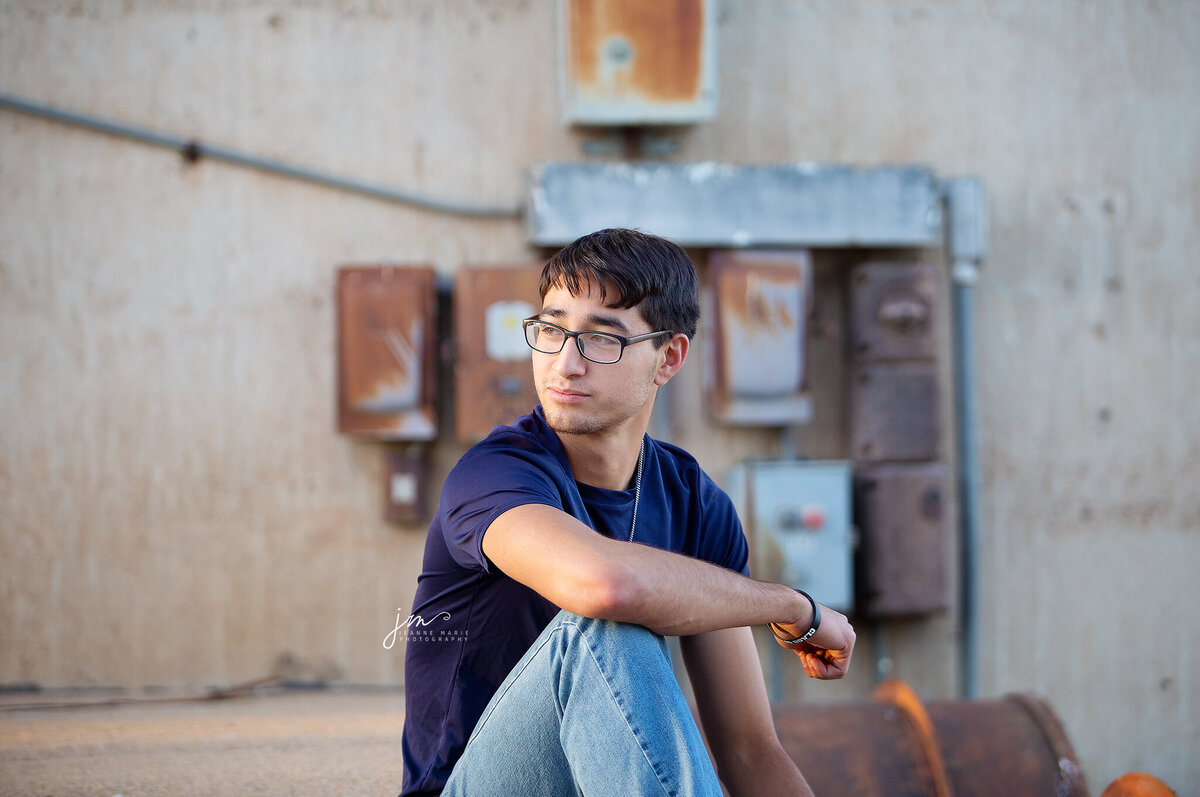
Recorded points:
(894, 746)
(1015, 747)
(757, 324)
(627, 62)
(893, 311)
(492, 374)
(900, 511)
(387, 352)
(862, 748)
(405, 485)
(894, 412)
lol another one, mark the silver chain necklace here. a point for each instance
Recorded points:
(637, 489)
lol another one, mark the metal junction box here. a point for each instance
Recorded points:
(492, 374)
(797, 518)
(757, 325)
(892, 312)
(632, 62)
(900, 510)
(387, 368)
(894, 412)
(894, 402)
(404, 491)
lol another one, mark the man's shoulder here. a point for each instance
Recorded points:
(527, 433)
(525, 450)
(676, 453)
(683, 462)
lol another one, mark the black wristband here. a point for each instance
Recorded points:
(812, 629)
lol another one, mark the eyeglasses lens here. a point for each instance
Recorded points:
(599, 347)
(595, 346)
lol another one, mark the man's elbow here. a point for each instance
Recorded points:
(608, 593)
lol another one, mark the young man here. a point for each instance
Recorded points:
(564, 549)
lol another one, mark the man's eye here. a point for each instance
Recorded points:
(550, 333)
(600, 341)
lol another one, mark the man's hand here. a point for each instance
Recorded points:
(826, 655)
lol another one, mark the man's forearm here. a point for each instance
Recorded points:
(676, 595)
(592, 575)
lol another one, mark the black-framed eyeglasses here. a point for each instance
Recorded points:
(599, 347)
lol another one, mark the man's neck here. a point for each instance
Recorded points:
(606, 460)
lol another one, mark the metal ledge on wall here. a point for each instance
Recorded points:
(727, 205)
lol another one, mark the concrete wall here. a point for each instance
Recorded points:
(175, 505)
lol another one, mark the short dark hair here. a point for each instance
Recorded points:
(632, 269)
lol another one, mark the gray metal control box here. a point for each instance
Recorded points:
(797, 516)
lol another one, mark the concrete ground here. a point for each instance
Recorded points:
(295, 742)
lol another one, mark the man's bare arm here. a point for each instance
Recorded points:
(594, 576)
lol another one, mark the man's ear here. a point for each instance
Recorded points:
(672, 357)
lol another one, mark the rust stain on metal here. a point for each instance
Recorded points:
(632, 48)
(1015, 745)
(901, 695)
(902, 570)
(386, 349)
(759, 317)
(492, 374)
(893, 311)
(894, 745)
(894, 411)
(760, 303)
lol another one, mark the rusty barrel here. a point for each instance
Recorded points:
(894, 746)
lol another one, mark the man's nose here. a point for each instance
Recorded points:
(570, 360)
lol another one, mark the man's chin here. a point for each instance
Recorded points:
(571, 424)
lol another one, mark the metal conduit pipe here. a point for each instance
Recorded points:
(967, 245)
(193, 150)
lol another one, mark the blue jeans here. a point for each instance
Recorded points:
(593, 708)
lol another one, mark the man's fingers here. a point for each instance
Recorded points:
(821, 664)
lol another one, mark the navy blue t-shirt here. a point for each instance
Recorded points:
(471, 623)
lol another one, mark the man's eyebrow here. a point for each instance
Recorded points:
(594, 320)
(601, 320)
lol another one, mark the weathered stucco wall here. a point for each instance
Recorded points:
(177, 509)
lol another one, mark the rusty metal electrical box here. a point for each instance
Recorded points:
(895, 412)
(632, 62)
(404, 490)
(492, 373)
(894, 405)
(387, 369)
(798, 519)
(759, 304)
(892, 312)
(900, 510)
(900, 487)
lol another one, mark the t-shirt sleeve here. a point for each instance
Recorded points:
(492, 478)
(726, 541)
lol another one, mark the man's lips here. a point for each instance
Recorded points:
(566, 394)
